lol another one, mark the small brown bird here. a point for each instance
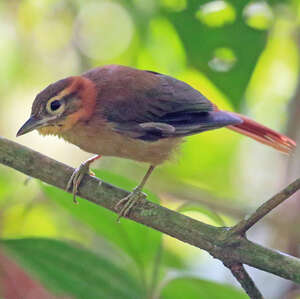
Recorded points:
(140, 115)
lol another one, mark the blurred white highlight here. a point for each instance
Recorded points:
(103, 31)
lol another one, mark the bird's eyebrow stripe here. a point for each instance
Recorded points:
(67, 96)
(63, 95)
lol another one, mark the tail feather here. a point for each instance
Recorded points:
(263, 134)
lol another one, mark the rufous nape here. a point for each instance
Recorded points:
(140, 115)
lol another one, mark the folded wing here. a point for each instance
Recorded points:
(171, 109)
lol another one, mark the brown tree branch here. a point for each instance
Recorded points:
(242, 276)
(219, 242)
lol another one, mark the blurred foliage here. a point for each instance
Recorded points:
(190, 287)
(93, 277)
(197, 207)
(242, 55)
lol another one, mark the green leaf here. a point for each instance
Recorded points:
(198, 207)
(172, 260)
(66, 268)
(226, 52)
(194, 288)
(138, 241)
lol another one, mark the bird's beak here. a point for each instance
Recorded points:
(31, 124)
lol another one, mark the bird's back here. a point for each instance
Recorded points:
(151, 106)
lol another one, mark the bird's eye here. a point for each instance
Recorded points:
(55, 106)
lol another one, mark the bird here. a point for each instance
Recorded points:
(140, 115)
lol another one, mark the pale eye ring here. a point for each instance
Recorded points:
(55, 106)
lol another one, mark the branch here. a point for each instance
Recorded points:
(239, 272)
(266, 208)
(219, 242)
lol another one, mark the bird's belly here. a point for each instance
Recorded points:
(109, 143)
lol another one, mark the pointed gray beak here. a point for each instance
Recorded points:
(31, 124)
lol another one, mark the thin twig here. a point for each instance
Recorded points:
(242, 276)
(223, 246)
(264, 209)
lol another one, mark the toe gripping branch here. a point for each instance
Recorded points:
(129, 201)
(78, 175)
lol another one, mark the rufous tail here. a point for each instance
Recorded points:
(263, 134)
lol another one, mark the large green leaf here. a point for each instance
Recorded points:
(68, 269)
(203, 42)
(194, 288)
(138, 241)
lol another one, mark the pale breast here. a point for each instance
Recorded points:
(104, 141)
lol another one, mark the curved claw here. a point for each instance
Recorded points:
(76, 179)
(129, 201)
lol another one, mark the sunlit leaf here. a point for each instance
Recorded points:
(68, 269)
(194, 206)
(258, 15)
(216, 13)
(194, 288)
(223, 60)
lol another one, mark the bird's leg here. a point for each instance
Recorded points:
(130, 200)
(78, 175)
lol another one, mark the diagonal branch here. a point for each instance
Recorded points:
(242, 276)
(265, 208)
(219, 242)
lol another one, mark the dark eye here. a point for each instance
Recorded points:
(55, 105)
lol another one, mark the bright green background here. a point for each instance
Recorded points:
(241, 54)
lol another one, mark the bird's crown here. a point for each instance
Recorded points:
(54, 90)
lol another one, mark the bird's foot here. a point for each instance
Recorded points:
(77, 177)
(129, 201)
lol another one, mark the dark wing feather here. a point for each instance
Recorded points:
(164, 108)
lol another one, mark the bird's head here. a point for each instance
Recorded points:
(60, 106)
